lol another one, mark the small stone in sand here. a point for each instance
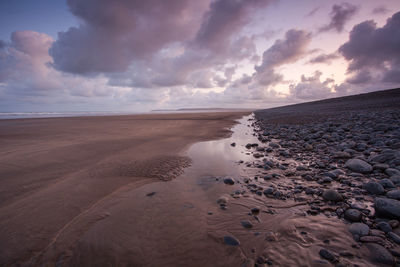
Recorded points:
(229, 181)
(231, 241)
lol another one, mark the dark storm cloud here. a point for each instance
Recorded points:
(360, 77)
(340, 14)
(373, 48)
(114, 33)
(224, 19)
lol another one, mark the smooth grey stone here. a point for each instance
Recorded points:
(358, 165)
(231, 241)
(326, 254)
(352, 215)
(332, 195)
(386, 183)
(379, 254)
(229, 181)
(359, 229)
(395, 194)
(374, 188)
(392, 171)
(395, 179)
(268, 191)
(394, 237)
(387, 207)
(384, 226)
(246, 224)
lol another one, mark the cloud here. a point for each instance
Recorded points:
(340, 14)
(361, 77)
(114, 33)
(223, 20)
(23, 62)
(313, 12)
(324, 58)
(379, 10)
(311, 88)
(374, 49)
(259, 86)
(286, 50)
(26, 75)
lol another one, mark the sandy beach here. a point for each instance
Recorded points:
(56, 171)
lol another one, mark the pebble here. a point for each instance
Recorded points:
(359, 229)
(246, 224)
(229, 181)
(386, 183)
(394, 237)
(358, 165)
(384, 226)
(352, 215)
(379, 254)
(332, 195)
(326, 254)
(392, 172)
(387, 207)
(374, 188)
(231, 241)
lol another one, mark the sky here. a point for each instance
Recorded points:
(136, 56)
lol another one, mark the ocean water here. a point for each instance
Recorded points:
(24, 115)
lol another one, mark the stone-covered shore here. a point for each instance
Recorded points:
(347, 153)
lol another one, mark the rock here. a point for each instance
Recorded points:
(341, 155)
(386, 183)
(371, 239)
(395, 194)
(394, 237)
(374, 188)
(268, 191)
(359, 229)
(384, 226)
(151, 194)
(387, 207)
(229, 181)
(301, 168)
(395, 179)
(326, 254)
(255, 210)
(358, 165)
(392, 172)
(380, 166)
(353, 215)
(246, 224)
(332, 195)
(233, 144)
(223, 200)
(379, 254)
(231, 241)
(274, 145)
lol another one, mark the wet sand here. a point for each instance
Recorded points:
(73, 190)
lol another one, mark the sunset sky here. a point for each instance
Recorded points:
(135, 56)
